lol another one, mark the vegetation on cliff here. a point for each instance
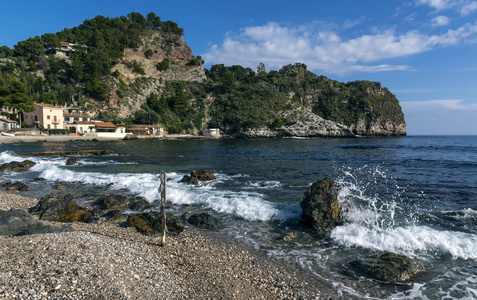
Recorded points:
(138, 69)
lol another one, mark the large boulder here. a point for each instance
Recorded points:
(389, 267)
(204, 221)
(198, 176)
(320, 206)
(111, 201)
(139, 204)
(18, 186)
(73, 160)
(17, 166)
(151, 223)
(16, 222)
(60, 209)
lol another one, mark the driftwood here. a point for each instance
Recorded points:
(66, 153)
(163, 207)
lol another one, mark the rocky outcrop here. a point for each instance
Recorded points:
(73, 161)
(60, 209)
(163, 46)
(16, 222)
(204, 221)
(320, 206)
(139, 204)
(198, 176)
(389, 267)
(305, 124)
(111, 201)
(17, 186)
(379, 127)
(151, 223)
(17, 166)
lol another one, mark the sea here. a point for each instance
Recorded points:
(414, 195)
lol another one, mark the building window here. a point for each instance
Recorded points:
(67, 118)
(76, 119)
(85, 119)
(48, 117)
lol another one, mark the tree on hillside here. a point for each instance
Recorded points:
(153, 22)
(50, 41)
(5, 51)
(172, 27)
(30, 49)
(137, 18)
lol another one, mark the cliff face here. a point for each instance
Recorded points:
(139, 75)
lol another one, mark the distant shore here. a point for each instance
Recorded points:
(106, 261)
(66, 138)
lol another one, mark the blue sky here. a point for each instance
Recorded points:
(424, 51)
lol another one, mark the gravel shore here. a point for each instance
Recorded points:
(106, 261)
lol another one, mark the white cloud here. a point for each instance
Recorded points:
(440, 21)
(449, 104)
(277, 45)
(465, 7)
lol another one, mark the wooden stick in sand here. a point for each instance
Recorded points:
(163, 207)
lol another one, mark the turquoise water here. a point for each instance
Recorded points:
(411, 195)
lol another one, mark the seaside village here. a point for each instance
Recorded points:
(52, 119)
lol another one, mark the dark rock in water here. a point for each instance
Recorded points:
(389, 267)
(114, 215)
(198, 176)
(17, 166)
(204, 221)
(18, 186)
(16, 222)
(151, 223)
(139, 204)
(320, 206)
(185, 179)
(298, 237)
(60, 186)
(60, 209)
(73, 160)
(111, 201)
(39, 179)
(203, 175)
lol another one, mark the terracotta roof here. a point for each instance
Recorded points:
(75, 115)
(47, 105)
(83, 123)
(7, 120)
(104, 124)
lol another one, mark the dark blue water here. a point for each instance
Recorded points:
(412, 195)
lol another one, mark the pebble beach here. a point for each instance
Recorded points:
(107, 261)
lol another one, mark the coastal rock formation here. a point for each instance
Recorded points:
(204, 221)
(151, 223)
(306, 124)
(320, 206)
(16, 222)
(73, 160)
(17, 166)
(17, 186)
(198, 176)
(60, 209)
(139, 204)
(389, 267)
(111, 201)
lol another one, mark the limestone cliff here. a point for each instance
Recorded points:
(139, 76)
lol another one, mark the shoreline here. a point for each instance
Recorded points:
(67, 138)
(106, 261)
